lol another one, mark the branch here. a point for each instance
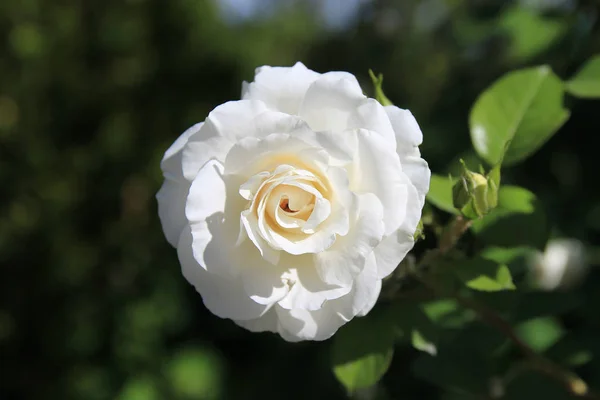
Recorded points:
(459, 225)
(574, 384)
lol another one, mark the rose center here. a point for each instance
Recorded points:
(291, 200)
(284, 204)
(287, 204)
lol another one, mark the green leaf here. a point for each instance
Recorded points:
(516, 258)
(530, 34)
(440, 193)
(447, 313)
(540, 333)
(363, 350)
(517, 221)
(421, 343)
(484, 275)
(379, 95)
(498, 278)
(586, 82)
(523, 108)
(505, 255)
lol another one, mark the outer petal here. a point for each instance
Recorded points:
(331, 101)
(224, 297)
(213, 209)
(171, 162)
(408, 137)
(345, 260)
(372, 300)
(297, 324)
(247, 156)
(321, 324)
(417, 170)
(173, 193)
(280, 88)
(308, 291)
(377, 170)
(264, 282)
(266, 323)
(225, 125)
(171, 208)
(364, 294)
(205, 211)
(371, 115)
(335, 102)
(208, 193)
(408, 133)
(394, 247)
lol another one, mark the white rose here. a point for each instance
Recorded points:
(288, 207)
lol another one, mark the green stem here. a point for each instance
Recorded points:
(453, 233)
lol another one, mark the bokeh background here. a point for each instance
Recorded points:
(92, 92)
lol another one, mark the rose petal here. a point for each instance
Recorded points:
(252, 155)
(197, 153)
(345, 260)
(301, 324)
(281, 88)
(377, 170)
(297, 324)
(267, 323)
(250, 224)
(264, 282)
(171, 208)
(336, 145)
(249, 188)
(372, 116)
(213, 209)
(364, 294)
(330, 101)
(319, 214)
(408, 133)
(208, 193)
(173, 192)
(307, 290)
(224, 297)
(171, 162)
(417, 170)
(394, 247)
(225, 125)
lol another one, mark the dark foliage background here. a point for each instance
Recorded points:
(92, 302)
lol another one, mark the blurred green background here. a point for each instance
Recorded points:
(92, 92)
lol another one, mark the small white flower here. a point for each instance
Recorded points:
(289, 206)
(562, 265)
